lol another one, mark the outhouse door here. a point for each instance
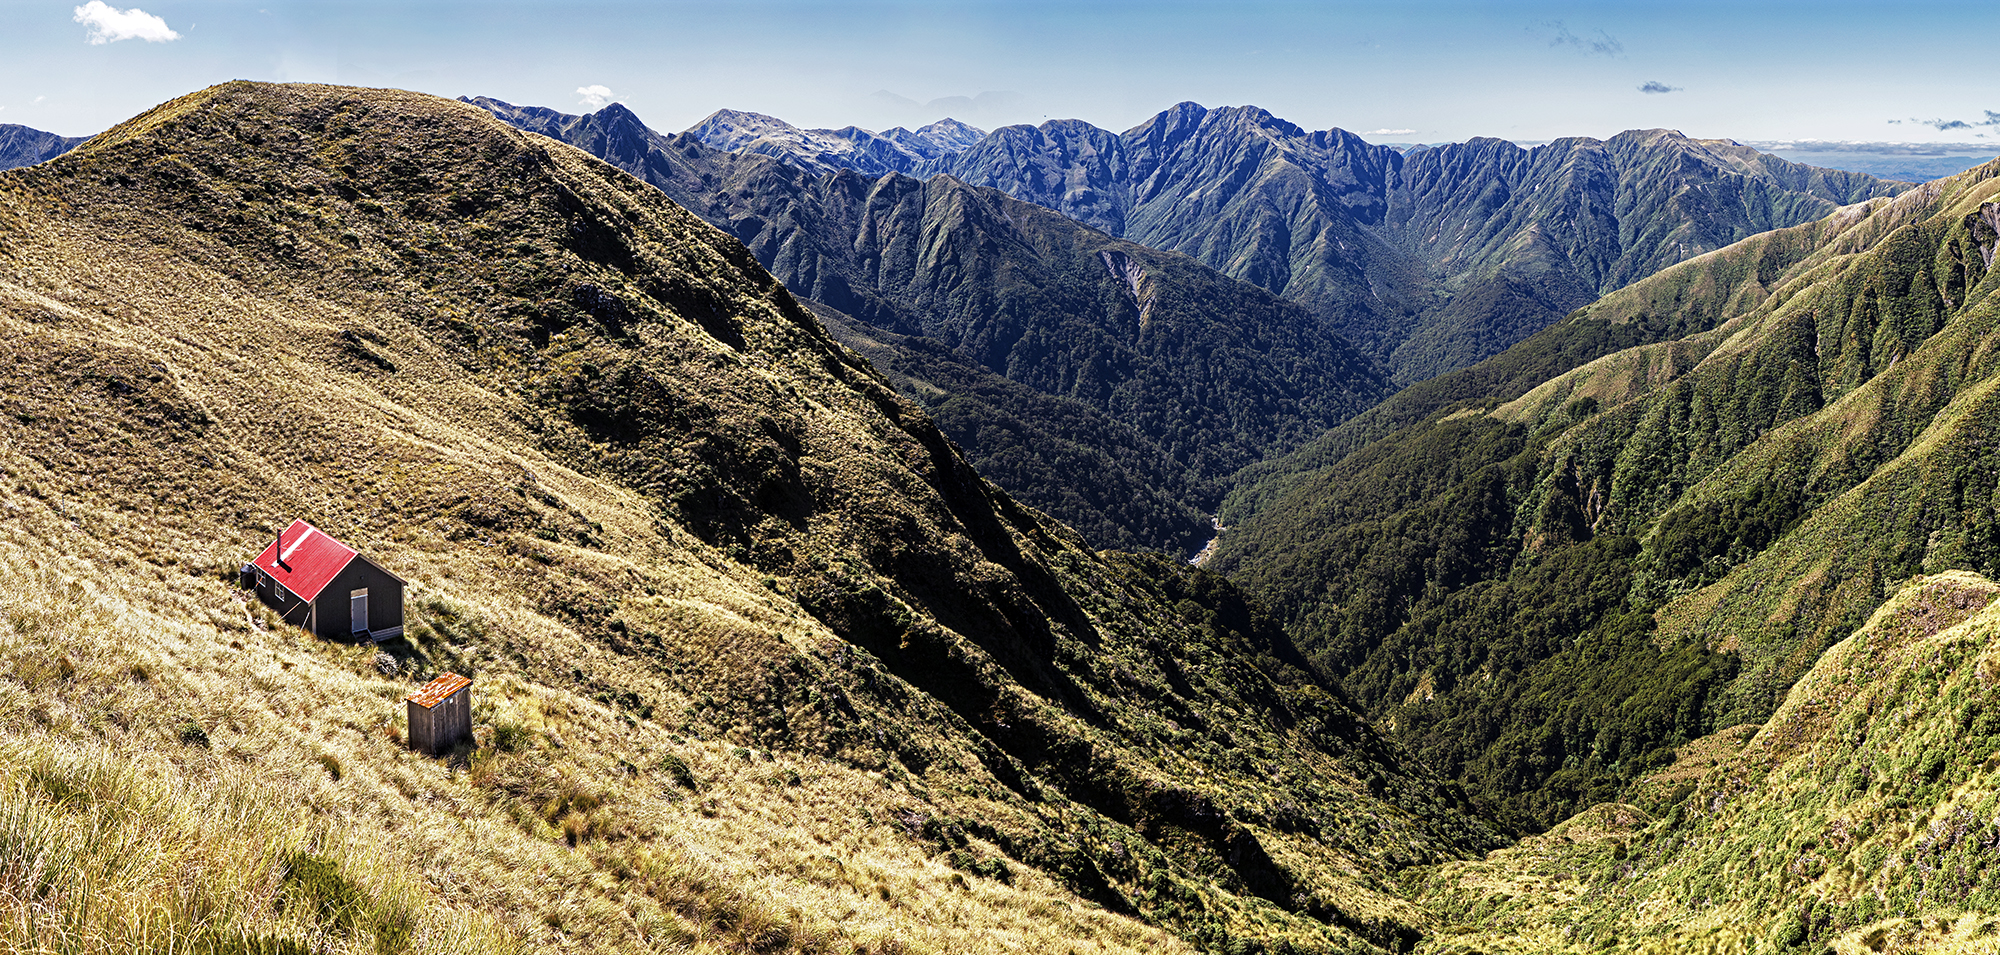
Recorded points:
(358, 602)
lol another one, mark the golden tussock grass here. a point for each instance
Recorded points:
(172, 780)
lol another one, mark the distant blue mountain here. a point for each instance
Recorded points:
(21, 146)
(1908, 162)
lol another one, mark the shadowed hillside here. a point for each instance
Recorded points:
(762, 663)
(1212, 374)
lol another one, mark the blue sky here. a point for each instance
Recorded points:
(1400, 72)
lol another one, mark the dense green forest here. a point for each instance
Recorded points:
(1546, 590)
(1100, 474)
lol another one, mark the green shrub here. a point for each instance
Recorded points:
(677, 769)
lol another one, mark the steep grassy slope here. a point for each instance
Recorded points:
(1859, 818)
(1546, 595)
(1212, 374)
(1432, 260)
(21, 146)
(764, 664)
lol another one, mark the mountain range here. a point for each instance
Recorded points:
(1488, 289)
(1746, 453)
(1430, 259)
(1668, 627)
(827, 150)
(1154, 365)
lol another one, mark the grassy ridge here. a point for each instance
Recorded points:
(185, 773)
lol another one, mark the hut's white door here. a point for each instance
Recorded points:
(358, 602)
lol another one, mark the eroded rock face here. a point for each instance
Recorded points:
(1985, 226)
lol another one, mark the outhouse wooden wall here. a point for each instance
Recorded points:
(440, 714)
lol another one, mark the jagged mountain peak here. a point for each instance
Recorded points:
(951, 132)
(828, 150)
(1253, 117)
(24, 146)
(618, 114)
(1183, 113)
(736, 129)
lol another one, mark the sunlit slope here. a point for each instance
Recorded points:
(1859, 818)
(764, 664)
(1548, 588)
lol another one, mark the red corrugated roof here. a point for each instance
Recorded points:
(435, 692)
(311, 560)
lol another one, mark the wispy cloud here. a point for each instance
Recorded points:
(1946, 125)
(1389, 132)
(1655, 86)
(109, 24)
(594, 96)
(1602, 44)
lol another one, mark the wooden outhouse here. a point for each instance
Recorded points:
(440, 714)
(321, 584)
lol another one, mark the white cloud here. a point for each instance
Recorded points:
(108, 24)
(594, 96)
(1389, 132)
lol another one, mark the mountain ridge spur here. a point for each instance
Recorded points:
(1212, 373)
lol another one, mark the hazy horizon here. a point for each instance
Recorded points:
(1423, 72)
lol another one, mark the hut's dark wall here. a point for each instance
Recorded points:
(274, 595)
(385, 601)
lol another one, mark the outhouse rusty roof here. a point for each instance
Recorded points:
(309, 561)
(435, 692)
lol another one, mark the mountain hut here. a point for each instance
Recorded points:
(323, 585)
